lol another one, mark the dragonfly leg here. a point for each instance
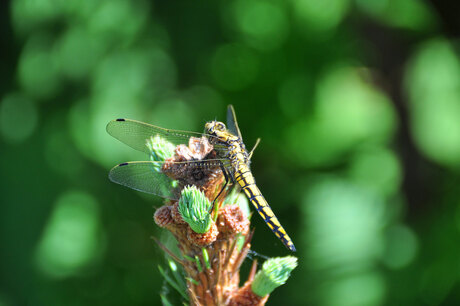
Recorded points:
(254, 147)
(227, 179)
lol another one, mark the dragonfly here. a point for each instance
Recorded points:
(231, 157)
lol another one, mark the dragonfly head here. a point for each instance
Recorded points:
(215, 128)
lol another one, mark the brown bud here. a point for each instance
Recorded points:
(163, 216)
(175, 214)
(203, 239)
(232, 220)
(245, 297)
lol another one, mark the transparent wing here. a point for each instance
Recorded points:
(232, 124)
(146, 176)
(143, 176)
(135, 134)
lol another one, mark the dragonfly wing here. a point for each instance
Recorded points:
(232, 124)
(144, 176)
(147, 176)
(136, 134)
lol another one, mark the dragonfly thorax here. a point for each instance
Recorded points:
(236, 150)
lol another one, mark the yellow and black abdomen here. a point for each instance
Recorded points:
(246, 181)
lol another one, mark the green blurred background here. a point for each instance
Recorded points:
(357, 103)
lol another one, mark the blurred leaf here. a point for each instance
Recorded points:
(406, 14)
(263, 24)
(319, 16)
(72, 237)
(348, 112)
(37, 72)
(343, 237)
(435, 101)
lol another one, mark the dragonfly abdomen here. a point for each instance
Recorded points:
(247, 183)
